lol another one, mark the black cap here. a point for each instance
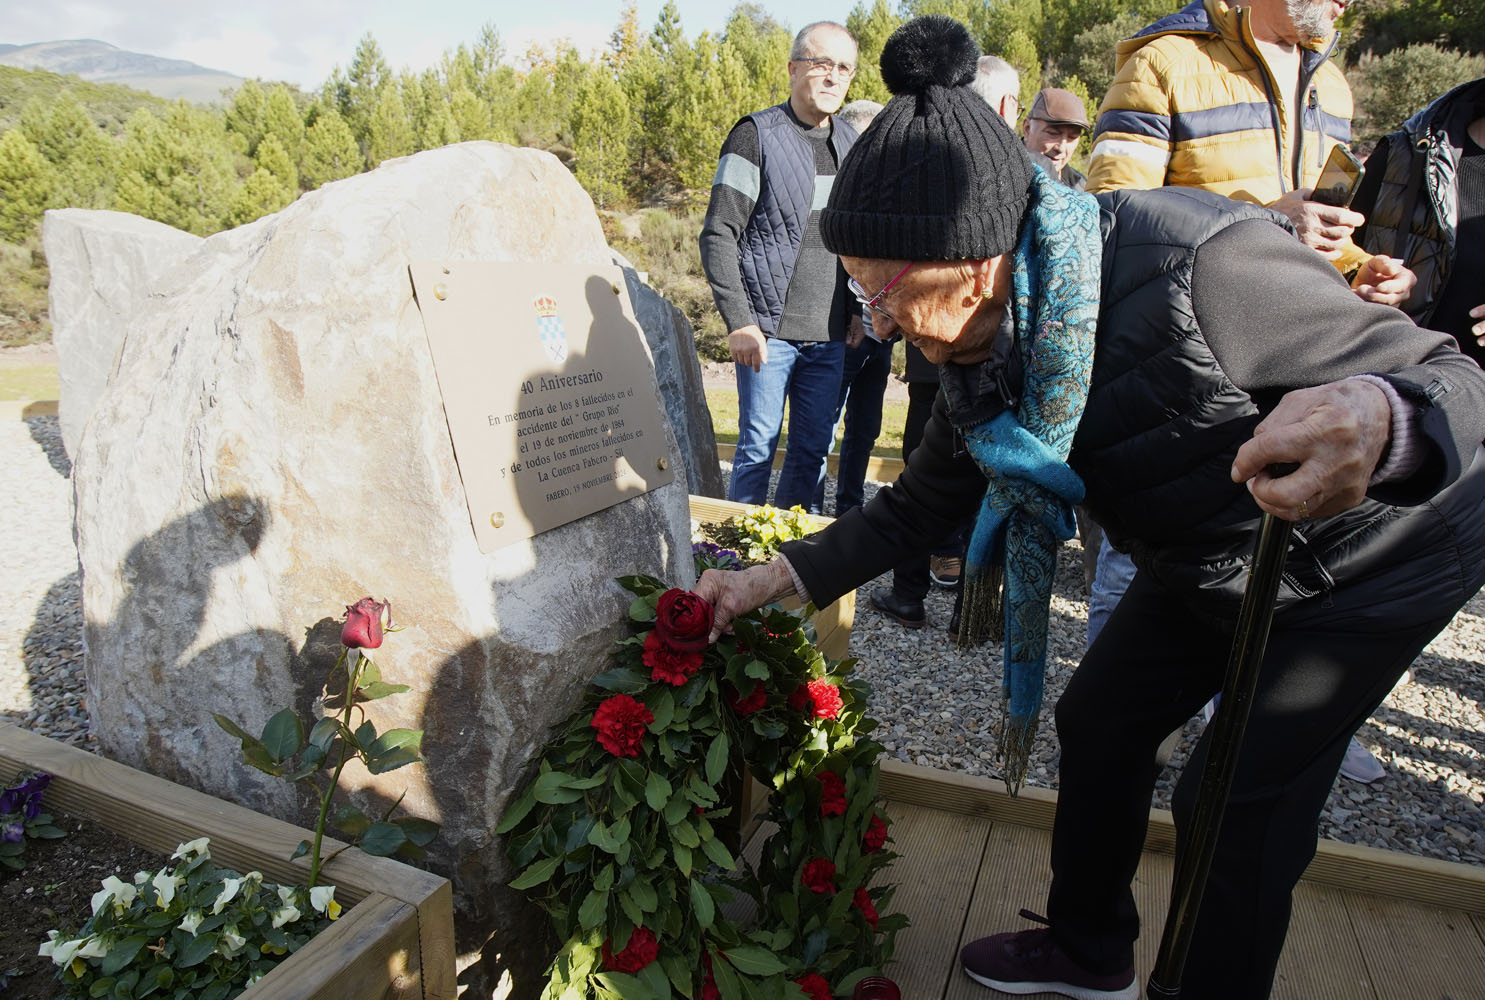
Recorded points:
(938, 175)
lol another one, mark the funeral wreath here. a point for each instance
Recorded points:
(621, 834)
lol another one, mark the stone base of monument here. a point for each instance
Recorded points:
(395, 940)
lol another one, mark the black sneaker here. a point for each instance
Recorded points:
(901, 610)
(1025, 962)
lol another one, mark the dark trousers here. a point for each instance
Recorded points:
(863, 383)
(1153, 666)
(910, 577)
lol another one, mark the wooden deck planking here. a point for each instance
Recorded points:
(935, 878)
(1416, 951)
(1013, 875)
(1322, 959)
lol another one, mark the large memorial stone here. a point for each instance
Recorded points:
(272, 445)
(103, 266)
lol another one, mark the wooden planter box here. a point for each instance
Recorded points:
(832, 623)
(397, 941)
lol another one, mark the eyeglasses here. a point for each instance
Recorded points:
(874, 301)
(825, 67)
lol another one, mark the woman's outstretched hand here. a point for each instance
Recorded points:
(736, 592)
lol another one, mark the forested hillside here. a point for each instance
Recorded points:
(640, 126)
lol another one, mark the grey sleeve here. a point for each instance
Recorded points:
(734, 193)
(1278, 316)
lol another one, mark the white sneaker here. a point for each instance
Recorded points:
(1360, 765)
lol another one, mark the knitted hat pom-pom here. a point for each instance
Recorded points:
(929, 50)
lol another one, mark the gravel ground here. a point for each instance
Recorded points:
(936, 703)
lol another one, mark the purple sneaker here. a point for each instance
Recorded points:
(1024, 962)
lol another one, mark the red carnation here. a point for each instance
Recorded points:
(638, 953)
(819, 696)
(364, 622)
(668, 664)
(815, 986)
(818, 876)
(709, 990)
(683, 620)
(621, 723)
(832, 794)
(755, 700)
(862, 900)
(876, 835)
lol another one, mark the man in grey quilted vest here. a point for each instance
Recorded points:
(782, 295)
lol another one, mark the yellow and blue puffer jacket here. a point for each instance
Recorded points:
(1194, 104)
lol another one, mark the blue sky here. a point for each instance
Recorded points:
(301, 40)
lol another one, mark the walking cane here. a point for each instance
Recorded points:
(1254, 618)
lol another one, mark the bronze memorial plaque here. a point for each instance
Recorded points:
(547, 388)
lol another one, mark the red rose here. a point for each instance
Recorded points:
(683, 620)
(818, 876)
(755, 700)
(364, 621)
(815, 986)
(862, 900)
(832, 794)
(800, 698)
(621, 723)
(876, 835)
(638, 953)
(668, 664)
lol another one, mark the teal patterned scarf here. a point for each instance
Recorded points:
(1028, 508)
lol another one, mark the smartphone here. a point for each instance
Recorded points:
(1339, 178)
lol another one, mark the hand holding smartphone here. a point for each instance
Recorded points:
(1339, 178)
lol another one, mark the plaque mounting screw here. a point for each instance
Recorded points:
(440, 291)
(615, 287)
(662, 464)
(497, 520)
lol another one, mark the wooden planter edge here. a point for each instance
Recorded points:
(1343, 866)
(410, 910)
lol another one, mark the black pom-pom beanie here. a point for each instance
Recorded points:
(938, 175)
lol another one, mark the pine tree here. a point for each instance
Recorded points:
(273, 185)
(390, 134)
(79, 156)
(25, 186)
(714, 95)
(359, 92)
(177, 169)
(761, 45)
(330, 151)
(871, 26)
(624, 43)
(246, 115)
(600, 137)
(282, 120)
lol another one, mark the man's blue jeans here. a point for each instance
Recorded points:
(863, 383)
(807, 374)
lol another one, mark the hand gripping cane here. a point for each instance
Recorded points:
(1190, 881)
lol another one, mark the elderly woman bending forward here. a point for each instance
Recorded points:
(1164, 351)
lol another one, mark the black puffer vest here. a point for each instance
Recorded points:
(1156, 471)
(770, 243)
(1417, 209)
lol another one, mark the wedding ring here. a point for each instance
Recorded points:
(1304, 509)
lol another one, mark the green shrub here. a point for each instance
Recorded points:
(23, 304)
(1390, 88)
(665, 246)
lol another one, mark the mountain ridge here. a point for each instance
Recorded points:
(100, 62)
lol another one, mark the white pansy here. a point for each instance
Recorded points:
(140, 878)
(193, 848)
(191, 921)
(230, 942)
(93, 947)
(230, 886)
(165, 884)
(322, 898)
(286, 915)
(286, 894)
(48, 946)
(122, 894)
